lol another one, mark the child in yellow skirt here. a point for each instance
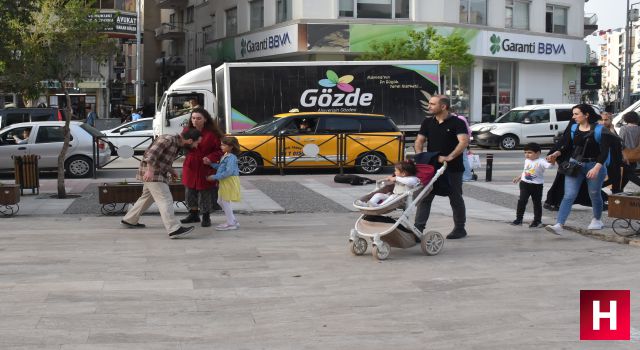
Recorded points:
(228, 181)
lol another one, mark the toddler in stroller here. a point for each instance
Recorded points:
(404, 179)
(378, 224)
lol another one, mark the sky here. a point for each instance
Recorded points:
(611, 15)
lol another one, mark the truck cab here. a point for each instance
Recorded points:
(174, 109)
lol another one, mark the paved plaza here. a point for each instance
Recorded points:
(288, 281)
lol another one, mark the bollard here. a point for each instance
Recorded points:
(487, 176)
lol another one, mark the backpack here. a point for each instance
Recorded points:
(597, 133)
(354, 180)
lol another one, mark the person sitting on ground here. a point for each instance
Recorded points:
(404, 178)
(25, 137)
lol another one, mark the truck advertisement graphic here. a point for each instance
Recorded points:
(248, 94)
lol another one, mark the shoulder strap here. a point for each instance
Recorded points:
(598, 132)
(574, 127)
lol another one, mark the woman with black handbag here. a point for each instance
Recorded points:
(588, 144)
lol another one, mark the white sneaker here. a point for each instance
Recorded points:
(555, 229)
(595, 224)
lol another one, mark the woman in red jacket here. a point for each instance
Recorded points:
(198, 190)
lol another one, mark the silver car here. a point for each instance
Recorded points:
(46, 139)
(137, 134)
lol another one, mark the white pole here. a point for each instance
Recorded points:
(138, 84)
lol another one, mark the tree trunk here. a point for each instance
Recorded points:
(62, 193)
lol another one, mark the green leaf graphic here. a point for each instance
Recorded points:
(331, 75)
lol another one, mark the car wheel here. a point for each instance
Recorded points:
(249, 163)
(78, 166)
(370, 163)
(508, 142)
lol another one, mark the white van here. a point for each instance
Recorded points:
(617, 120)
(521, 125)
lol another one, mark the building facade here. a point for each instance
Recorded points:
(526, 52)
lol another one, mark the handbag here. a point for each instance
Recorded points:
(572, 167)
(631, 155)
(569, 168)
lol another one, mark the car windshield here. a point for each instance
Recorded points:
(268, 126)
(513, 116)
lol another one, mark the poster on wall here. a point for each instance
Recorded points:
(590, 78)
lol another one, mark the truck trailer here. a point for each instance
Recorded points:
(241, 95)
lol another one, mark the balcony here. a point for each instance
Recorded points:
(169, 31)
(590, 23)
(172, 4)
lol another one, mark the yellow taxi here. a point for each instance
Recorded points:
(321, 139)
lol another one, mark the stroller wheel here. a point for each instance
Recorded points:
(359, 246)
(381, 252)
(431, 243)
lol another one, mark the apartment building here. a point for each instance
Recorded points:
(526, 51)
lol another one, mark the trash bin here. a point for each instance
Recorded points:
(27, 173)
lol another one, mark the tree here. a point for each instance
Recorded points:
(62, 35)
(452, 51)
(417, 46)
(15, 15)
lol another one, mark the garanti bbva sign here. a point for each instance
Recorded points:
(541, 48)
(267, 43)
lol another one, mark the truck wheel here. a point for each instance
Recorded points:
(508, 142)
(370, 163)
(249, 163)
(78, 166)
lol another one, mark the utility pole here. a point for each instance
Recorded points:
(138, 84)
(632, 16)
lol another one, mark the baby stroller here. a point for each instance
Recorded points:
(384, 231)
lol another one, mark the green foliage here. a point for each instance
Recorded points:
(51, 44)
(452, 51)
(418, 46)
(14, 16)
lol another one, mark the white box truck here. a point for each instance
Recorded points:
(241, 95)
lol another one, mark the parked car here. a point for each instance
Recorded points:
(143, 128)
(521, 125)
(311, 141)
(46, 139)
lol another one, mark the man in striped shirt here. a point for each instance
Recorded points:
(155, 170)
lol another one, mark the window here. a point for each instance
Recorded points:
(378, 125)
(535, 101)
(563, 115)
(49, 134)
(538, 116)
(283, 10)
(231, 21)
(172, 19)
(188, 15)
(209, 33)
(256, 14)
(517, 14)
(473, 11)
(374, 8)
(332, 125)
(556, 19)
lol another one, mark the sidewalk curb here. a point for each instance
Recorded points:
(605, 236)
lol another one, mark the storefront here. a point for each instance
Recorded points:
(509, 70)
